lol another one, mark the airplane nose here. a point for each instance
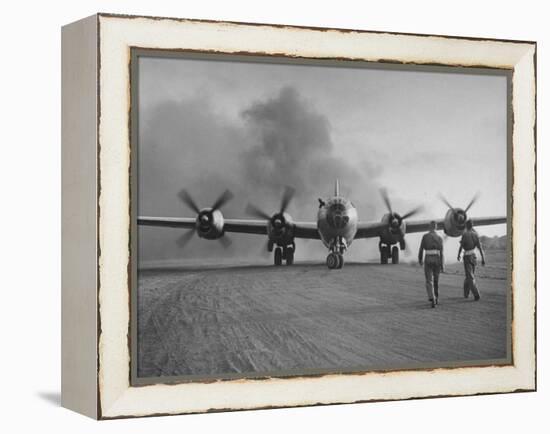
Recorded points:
(337, 220)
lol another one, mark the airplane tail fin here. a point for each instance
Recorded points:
(336, 188)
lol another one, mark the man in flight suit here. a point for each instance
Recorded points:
(469, 243)
(432, 246)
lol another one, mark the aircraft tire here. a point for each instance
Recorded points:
(289, 256)
(340, 260)
(395, 255)
(332, 261)
(384, 255)
(278, 256)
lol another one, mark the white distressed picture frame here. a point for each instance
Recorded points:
(96, 215)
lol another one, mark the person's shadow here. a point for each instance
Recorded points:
(52, 398)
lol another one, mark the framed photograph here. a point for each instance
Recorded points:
(261, 216)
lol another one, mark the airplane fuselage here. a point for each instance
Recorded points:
(337, 223)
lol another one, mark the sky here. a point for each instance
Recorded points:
(207, 125)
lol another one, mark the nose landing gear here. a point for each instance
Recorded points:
(335, 261)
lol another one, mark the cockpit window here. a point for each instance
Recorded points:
(338, 206)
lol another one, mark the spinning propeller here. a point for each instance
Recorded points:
(278, 220)
(396, 219)
(460, 215)
(207, 219)
(455, 219)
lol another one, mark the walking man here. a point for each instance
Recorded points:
(430, 254)
(469, 243)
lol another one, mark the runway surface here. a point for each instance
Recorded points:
(257, 319)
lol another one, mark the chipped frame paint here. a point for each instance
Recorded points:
(116, 397)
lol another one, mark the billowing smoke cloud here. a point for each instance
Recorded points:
(282, 140)
(293, 146)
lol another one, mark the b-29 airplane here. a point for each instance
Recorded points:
(337, 226)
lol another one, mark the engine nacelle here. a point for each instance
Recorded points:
(395, 228)
(280, 228)
(455, 222)
(209, 224)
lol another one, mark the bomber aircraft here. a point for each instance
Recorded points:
(337, 226)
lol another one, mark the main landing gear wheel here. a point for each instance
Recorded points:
(289, 255)
(384, 254)
(395, 255)
(278, 256)
(335, 261)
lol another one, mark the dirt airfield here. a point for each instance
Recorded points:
(260, 319)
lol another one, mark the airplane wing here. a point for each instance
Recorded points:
(245, 226)
(424, 225)
(306, 230)
(167, 222)
(371, 230)
(230, 225)
(486, 221)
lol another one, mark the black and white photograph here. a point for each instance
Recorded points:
(297, 217)
(243, 217)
